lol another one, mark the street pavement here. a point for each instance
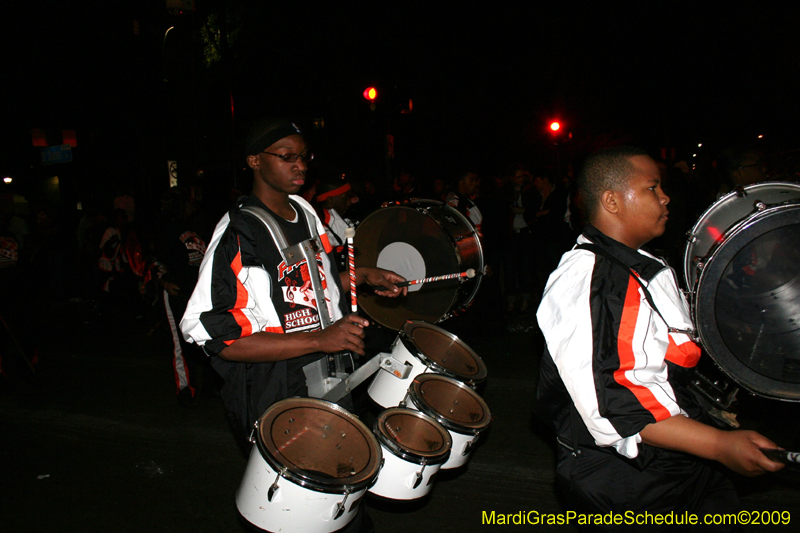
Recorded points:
(96, 441)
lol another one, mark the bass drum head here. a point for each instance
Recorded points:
(447, 353)
(322, 446)
(747, 303)
(709, 231)
(419, 240)
(453, 404)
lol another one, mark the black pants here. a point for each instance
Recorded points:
(599, 482)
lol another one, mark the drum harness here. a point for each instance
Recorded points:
(326, 378)
(573, 412)
(321, 375)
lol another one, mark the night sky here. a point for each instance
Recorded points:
(485, 79)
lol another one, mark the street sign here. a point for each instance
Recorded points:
(173, 173)
(56, 154)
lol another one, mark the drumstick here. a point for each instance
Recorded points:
(781, 456)
(351, 264)
(470, 273)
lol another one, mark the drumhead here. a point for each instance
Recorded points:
(453, 404)
(747, 303)
(710, 229)
(419, 240)
(413, 436)
(443, 351)
(320, 445)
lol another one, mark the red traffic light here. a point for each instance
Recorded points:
(555, 126)
(371, 93)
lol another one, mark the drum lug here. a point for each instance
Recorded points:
(274, 487)
(418, 475)
(468, 447)
(404, 401)
(340, 507)
(691, 237)
(760, 206)
(252, 438)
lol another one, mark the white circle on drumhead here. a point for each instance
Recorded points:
(404, 259)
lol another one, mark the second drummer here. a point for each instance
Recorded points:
(256, 314)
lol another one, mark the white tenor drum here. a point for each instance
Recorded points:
(311, 464)
(743, 267)
(458, 408)
(426, 348)
(419, 240)
(414, 448)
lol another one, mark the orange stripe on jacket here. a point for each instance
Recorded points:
(685, 355)
(627, 361)
(241, 298)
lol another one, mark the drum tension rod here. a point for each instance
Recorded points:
(274, 487)
(419, 474)
(339, 509)
(252, 438)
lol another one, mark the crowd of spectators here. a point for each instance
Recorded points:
(527, 216)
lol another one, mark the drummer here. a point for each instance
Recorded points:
(257, 317)
(614, 379)
(334, 198)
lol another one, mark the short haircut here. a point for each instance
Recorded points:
(606, 170)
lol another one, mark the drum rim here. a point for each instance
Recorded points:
(454, 305)
(478, 243)
(463, 428)
(705, 303)
(406, 336)
(405, 454)
(303, 478)
(687, 266)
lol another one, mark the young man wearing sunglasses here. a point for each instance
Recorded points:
(257, 313)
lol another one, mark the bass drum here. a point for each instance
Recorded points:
(745, 280)
(418, 240)
(311, 464)
(723, 215)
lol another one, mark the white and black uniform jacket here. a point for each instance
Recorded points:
(245, 287)
(611, 366)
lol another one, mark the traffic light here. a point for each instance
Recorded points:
(371, 93)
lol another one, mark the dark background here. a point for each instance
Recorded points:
(485, 81)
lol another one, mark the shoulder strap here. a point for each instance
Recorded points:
(600, 251)
(295, 253)
(271, 224)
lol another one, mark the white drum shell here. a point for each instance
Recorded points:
(397, 478)
(462, 444)
(293, 508)
(388, 390)
(462, 449)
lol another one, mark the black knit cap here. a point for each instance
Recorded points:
(267, 131)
